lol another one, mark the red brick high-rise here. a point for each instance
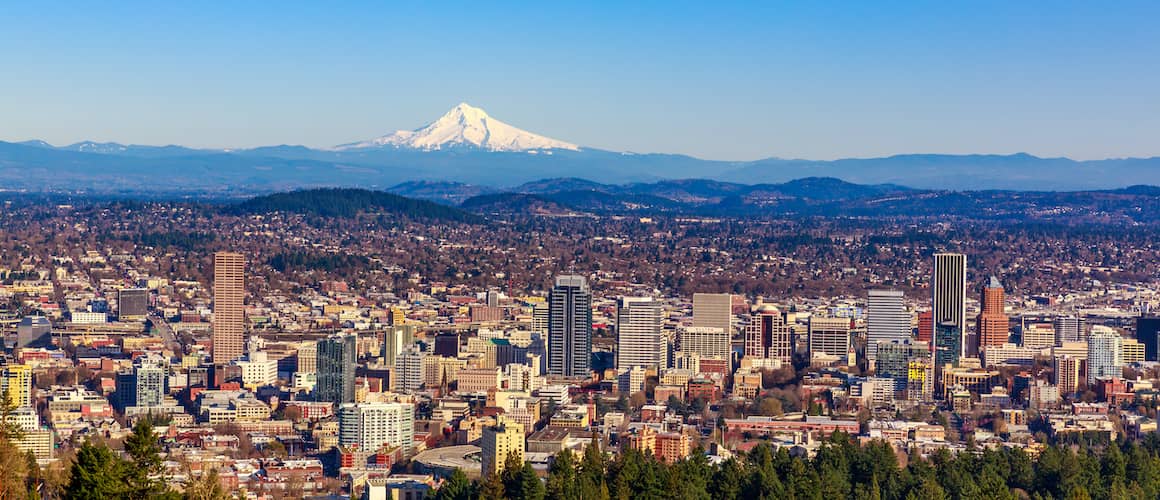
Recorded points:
(992, 320)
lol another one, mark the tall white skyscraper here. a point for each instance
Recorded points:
(949, 300)
(1105, 354)
(570, 327)
(713, 310)
(638, 326)
(886, 320)
(370, 426)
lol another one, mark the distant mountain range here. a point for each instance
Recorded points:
(809, 197)
(468, 146)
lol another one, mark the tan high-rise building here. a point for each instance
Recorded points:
(713, 310)
(229, 293)
(506, 436)
(992, 320)
(768, 336)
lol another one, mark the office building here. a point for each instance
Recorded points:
(257, 370)
(396, 339)
(920, 380)
(144, 385)
(570, 327)
(498, 441)
(372, 427)
(1038, 336)
(229, 293)
(1134, 351)
(1070, 329)
(408, 373)
(638, 333)
(447, 344)
(947, 345)
(713, 310)
(829, 337)
(334, 382)
(1105, 355)
(894, 359)
(1148, 333)
(34, 331)
(992, 320)
(132, 304)
(1067, 373)
(540, 318)
(767, 336)
(886, 320)
(307, 358)
(708, 342)
(925, 326)
(948, 300)
(16, 381)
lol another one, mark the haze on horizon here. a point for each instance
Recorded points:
(740, 81)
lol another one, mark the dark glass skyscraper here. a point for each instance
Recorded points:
(336, 363)
(570, 327)
(1148, 333)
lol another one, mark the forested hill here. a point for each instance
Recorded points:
(348, 202)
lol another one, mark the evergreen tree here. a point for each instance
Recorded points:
(562, 477)
(928, 489)
(145, 465)
(591, 477)
(492, 488)
(96, 474)
(455, 487)
(527, 485)
(727, 480)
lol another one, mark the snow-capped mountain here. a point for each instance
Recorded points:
(464, 126)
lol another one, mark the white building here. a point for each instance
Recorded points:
(370, 426)
(638, 325)
(258, 369)
(1105, 354)
(709, 342)
(886, 320)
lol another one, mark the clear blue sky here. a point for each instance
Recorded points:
(739, 81)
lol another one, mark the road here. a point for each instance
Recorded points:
(167, 335)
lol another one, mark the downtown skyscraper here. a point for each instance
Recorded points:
(229, 293)
(948, 306)
(638, 326)
(886, 320)
(992, 320)
(336, 364)
(570, 327)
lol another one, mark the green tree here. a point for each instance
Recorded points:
(592, 469)
(492, 488)
(562, 477)
(455, 487)
(143, 470)
(96, 474)
(527, 485)
(928, 489)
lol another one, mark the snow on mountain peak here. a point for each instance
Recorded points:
(464, 126)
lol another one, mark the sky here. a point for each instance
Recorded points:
(718, 80)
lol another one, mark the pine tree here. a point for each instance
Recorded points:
(527, 485)
(492, 488)
(455, 487)
(145, 453)
(96, 474)
(562, 477)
